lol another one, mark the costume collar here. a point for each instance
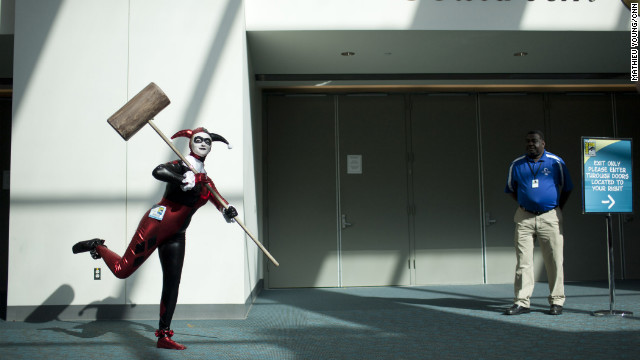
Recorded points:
(198, 157)
(197, 164)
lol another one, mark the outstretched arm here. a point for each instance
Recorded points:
(229, 212)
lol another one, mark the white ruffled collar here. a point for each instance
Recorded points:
(196, 163)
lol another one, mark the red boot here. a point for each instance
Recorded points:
(165, 342)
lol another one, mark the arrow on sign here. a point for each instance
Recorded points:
(607, 202)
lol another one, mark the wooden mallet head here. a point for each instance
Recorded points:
(137, 112)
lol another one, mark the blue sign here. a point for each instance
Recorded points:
(606, 175)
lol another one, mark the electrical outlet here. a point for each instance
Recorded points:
(96, 274)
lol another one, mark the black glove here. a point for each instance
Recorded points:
(229, 213)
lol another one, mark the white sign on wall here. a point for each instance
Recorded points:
(354, 164)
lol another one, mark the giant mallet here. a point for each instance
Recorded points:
(141, 110)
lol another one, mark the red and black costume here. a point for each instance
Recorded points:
(179, 207)
(163, 227)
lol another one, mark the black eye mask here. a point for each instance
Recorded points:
(199, 139)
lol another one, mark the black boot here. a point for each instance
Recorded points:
(88, 245)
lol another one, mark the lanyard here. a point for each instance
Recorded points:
(537, 170)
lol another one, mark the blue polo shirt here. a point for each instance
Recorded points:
(538, 184)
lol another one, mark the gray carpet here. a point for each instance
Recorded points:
(425, 322)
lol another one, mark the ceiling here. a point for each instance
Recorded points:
(439, 57)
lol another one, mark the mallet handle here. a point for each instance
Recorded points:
(175, 150)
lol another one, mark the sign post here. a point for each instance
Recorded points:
(606, 189)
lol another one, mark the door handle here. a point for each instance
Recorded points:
(488, 221)
(343, 223)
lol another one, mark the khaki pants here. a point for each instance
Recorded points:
(547, 229)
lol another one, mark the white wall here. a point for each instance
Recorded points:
(194, 51)
(67, 175)
(532, 15)
(73, 177)
(252, 174)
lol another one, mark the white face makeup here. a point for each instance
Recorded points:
(201, 144)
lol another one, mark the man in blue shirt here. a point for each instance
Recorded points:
(539, 181)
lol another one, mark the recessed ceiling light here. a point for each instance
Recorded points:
(348, 53)
(521, 53)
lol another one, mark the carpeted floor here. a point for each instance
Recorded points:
(425, 322)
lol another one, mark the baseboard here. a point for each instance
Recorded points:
(44, 313)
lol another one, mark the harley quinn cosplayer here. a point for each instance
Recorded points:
(164, 225)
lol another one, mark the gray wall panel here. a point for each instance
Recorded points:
(301, 191)
(627, 106)
(446, 189)
(504, 120)
(375, 248)
(572, 116)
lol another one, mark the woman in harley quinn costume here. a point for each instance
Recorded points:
(164, 225)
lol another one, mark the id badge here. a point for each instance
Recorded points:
(157, 212)
(534, 183)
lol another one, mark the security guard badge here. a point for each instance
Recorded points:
(534, 183)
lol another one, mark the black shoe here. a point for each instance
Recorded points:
(555, 310)
(88, 245)
(517, 310)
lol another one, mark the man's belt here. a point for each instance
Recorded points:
(536, 212)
